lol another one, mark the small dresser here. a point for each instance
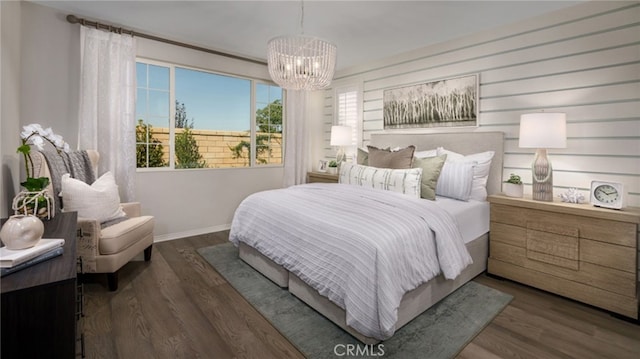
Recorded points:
(42, 305)
(575, 250)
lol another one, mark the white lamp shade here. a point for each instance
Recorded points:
(341, 136)
(543, 130)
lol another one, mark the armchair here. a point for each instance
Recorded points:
(107, 249)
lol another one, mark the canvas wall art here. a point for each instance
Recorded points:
(449, 102)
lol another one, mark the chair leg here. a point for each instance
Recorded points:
(112, 280)
(147, 253)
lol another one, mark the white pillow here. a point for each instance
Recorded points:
(455, 180)
(425, 154)
(406, 181)
(99, 200)
(480, 171)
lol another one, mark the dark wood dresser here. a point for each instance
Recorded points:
(41, 304)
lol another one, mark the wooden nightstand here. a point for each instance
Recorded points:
(575, 250)
(321, 177)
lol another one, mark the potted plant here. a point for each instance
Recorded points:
(35, 200)
(513, 187)
(332, 168)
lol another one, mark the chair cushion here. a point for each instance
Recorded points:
(120, 236)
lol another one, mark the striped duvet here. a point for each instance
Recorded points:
(361, 248)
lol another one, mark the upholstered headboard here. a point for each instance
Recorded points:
(465, 143)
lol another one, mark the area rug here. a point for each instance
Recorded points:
(440, 332)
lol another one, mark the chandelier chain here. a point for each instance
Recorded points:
(302, 17)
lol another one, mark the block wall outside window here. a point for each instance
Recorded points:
(191, 118)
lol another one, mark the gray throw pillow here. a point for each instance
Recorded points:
(431, 168)
(401, 159)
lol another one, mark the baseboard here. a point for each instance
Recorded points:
(190, 233)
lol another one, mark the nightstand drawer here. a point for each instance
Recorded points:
(322, 177)
(621, 233)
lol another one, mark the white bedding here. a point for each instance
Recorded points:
(472, 216)
(361, 248)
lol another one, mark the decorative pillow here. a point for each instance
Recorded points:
(405, 181)
(363, 157)
(455, 180)
(431, 168)
(400, 159)
(99, 200)
(480, 171)
(425, 154)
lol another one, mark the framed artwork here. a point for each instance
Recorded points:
(449, 102)
(322, 166)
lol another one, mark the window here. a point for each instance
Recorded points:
(191, 118)
(347, 113)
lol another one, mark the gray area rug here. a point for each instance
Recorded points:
(440, 332)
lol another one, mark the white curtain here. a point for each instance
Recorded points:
(107, 104)
(296, 142)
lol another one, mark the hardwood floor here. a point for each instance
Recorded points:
(177, 306)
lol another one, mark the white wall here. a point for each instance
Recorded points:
(584, 61)
(9, 102)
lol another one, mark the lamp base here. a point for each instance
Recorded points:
(341, 156)
(542, 177)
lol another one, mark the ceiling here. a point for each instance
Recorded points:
(363, 31)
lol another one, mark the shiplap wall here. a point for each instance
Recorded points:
(584, 61)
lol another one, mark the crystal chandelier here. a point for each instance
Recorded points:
(301, 62)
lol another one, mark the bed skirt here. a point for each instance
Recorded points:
(413, 303)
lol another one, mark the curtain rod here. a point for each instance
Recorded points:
(76, 20)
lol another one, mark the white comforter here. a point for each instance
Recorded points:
(361, 248)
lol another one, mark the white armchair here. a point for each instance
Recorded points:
(106, 250)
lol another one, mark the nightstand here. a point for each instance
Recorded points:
(321, 177)
(577, 251)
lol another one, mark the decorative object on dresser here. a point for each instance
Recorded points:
(21, 232)
(322, 166)
(36, 199)
(542, 131)
(332, 167)
(607, 194)
(341, 137)
(42, 305)
(10, 258)
(574, 250)
(313, 177)
(513, 186)
(572, 195)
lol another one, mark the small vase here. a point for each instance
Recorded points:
(38, 203)
(513, 190)
(332, 170)
(21, 231)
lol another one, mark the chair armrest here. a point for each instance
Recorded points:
(132, 209)
(87, 243)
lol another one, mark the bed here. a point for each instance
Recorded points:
(474, 237)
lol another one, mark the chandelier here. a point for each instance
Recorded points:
(301, 62)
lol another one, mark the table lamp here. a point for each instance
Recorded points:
(542, 131)
(341, 136)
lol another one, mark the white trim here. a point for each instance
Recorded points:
(191, 233)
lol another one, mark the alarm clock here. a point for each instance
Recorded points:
(607, 194)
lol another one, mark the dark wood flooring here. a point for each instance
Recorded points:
(177, 306)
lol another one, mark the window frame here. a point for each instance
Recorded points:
(172, 111)
(357, 128)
